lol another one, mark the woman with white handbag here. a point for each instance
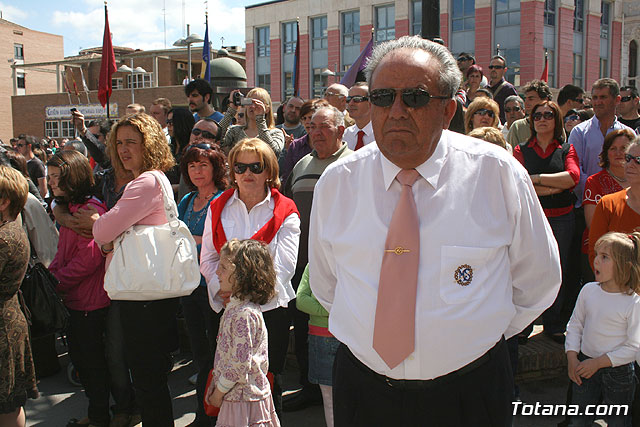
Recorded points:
(151, 260)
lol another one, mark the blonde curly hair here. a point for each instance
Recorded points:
(156, 154)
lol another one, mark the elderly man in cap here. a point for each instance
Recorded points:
(426, 248)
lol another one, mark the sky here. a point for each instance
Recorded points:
(138, 24)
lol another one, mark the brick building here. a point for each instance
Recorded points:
(583, 38)
(157, 73)
(17, 46)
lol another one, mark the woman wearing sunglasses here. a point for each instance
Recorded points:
(254, 209)
(259, 122)
(482, 112)
(574, 118)
(552, 164)
(204, 171)
(609, 180)
(619, 211)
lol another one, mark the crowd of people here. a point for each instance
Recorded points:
(411, 228)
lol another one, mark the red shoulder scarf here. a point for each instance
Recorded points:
(283, 207)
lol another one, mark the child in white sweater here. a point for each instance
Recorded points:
(603, 335)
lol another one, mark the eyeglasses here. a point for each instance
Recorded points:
(241, 115)
(484, 112)
(629, 157)
(357, 98)
(412, 98)
(20, 145)
(204, 133)
(201, 146)
(254, 168)
(339, 95)
(547, 115)
(169, 121)
(496, 67)
(464, 58)
(578, 100)
(512, 109)
(571, 118)
(626, 98)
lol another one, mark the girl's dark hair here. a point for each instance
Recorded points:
(608, 142)
(76, 177)
(183, 123)
(558, 130)
(217, 159)
(254, 277)
(18, 162)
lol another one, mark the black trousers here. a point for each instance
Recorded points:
(277, 323)
(480, 398)
(147, 327)
(87, 351)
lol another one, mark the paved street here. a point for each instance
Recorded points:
(61, 401)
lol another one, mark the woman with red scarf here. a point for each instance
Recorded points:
(254, 209)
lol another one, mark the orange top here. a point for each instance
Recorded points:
(612, 214)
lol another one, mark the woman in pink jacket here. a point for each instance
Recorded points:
(79, 266)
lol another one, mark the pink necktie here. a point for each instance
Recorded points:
(360, 142)
(394, 330)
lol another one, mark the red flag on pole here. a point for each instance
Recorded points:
(108, 64)
(545, 72)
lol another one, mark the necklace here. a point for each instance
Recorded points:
(617, 178)
(201, 212)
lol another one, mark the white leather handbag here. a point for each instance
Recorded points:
(152, 262)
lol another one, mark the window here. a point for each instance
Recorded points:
(416, 17)
(116, 83)
(604, 20)
(262, 45)
(320, 83)
(20, 81)
(577, 70)
(507, 13)
(578, 16)
(604, 67)
(67, 129)
(463, 15)
(52, 129)
(351, 28)
(550, 12)
(552, 66)
(289, 37)
(18, 51)
(319, 33)
(264, 81)
(385, 23)
(140, 80)
(633, 58)
(288, 84)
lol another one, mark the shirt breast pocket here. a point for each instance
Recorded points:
(229, 228)
(462, 273)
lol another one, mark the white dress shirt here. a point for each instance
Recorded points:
(605, 323)
(350, 135)
(240, 224)
(477, 206)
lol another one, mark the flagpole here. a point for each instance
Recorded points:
(105, 19)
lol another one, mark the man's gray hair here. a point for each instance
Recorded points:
(76, 145)
(514, 98)
(338, 117)
(450, 75)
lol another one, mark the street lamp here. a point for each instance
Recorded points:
(138, 70)
(181, 42)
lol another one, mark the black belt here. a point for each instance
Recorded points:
(423, 384)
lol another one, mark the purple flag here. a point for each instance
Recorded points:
(350, 77)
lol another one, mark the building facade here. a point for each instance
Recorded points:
(582, 38)
(17, 46)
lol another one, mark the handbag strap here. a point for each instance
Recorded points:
(170, 208)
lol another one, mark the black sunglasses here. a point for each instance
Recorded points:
(254, 168)
(572, 117)
(464, 58)
(200, 146)
(412, 98)
(579, 100)
(626, 98)
(241, 115)
(629, 157)
(548, 115)
(484, 112)
(512, 109)
(204, 133)
(169, 121)
(357, 98)
(496, 67)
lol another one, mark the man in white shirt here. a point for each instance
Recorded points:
(358, 106)
(483, 242)
(159, 110)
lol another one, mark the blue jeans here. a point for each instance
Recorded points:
(615, 385)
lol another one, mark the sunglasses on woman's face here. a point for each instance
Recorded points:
(547, 115)
(571, 118)
(254, 168)
(201, 146)
(412, 98)
(204, 133)
(629, 157)
(484, 112)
